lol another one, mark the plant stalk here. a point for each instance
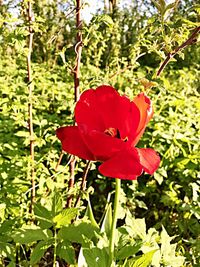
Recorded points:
(55, 249)
(30, 104)
(76, 72)
(114, 219)
(83, 183)
(78, 50)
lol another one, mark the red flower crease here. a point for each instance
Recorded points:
(108, 128)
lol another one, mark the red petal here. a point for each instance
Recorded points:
(86, 111)
(108, 105)
(124, 165)
(146, 112)
(73, 143)
(101, 145)
(104, 108)
(94, 108)
(126, 117)
(149, 159)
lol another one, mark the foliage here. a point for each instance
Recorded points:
(120, 49)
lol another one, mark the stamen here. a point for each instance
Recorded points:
(125, 139)
(115, 133)
(111, 131)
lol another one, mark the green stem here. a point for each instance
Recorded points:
(55, 249)
(114, 220)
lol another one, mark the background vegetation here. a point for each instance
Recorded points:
(122, 44)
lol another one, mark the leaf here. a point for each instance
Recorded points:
(22, 134)
(107, 20)
(127, 251)
(2, 211)
(137, 227)
(39, 251)
(168, 251)
(42, 212)
(11, 264)
(8, 249)
(56, 204)
(165, 241)
(162, 3)
(66, 251)
(65, 217)
(107, 221)
(156, 260)
(89, 214)
(43, 215)
(156, 5)
(144, 260)
(78, 233)
(172, 5)
(26, 236)
(96, 257)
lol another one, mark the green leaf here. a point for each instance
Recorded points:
(2, 211)
(78, 233)
(107, 20)
(43, 215)
(107, 221)
(11, 264)
(137, 227)
(65, 217)
(96, 257)
(39, 251)
(42, 212)
(162, 3)
(26, 236)
(8, 249)
(56, 204)
(66, 251)
(165, 241)
(170, 6)
(89, 214)
(23, 134)
(144, 260)
(128, 250)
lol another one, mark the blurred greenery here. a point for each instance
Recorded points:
(122, 44)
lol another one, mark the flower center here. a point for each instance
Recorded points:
(112, 132)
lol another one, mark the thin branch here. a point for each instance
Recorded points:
(76, 72)
(78, 50)
(71, 180)
(189, 41)
(30, 104)
(59, 160)
(83, 183)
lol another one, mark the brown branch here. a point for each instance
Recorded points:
(71, 180)
(83, 183)
(78, 50)
(189, 41)
(59, 160)
(30, 104)
(76, 72)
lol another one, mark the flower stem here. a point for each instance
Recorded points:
(55, 249)
(114, 219)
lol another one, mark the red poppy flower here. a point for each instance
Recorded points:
(108, 128)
